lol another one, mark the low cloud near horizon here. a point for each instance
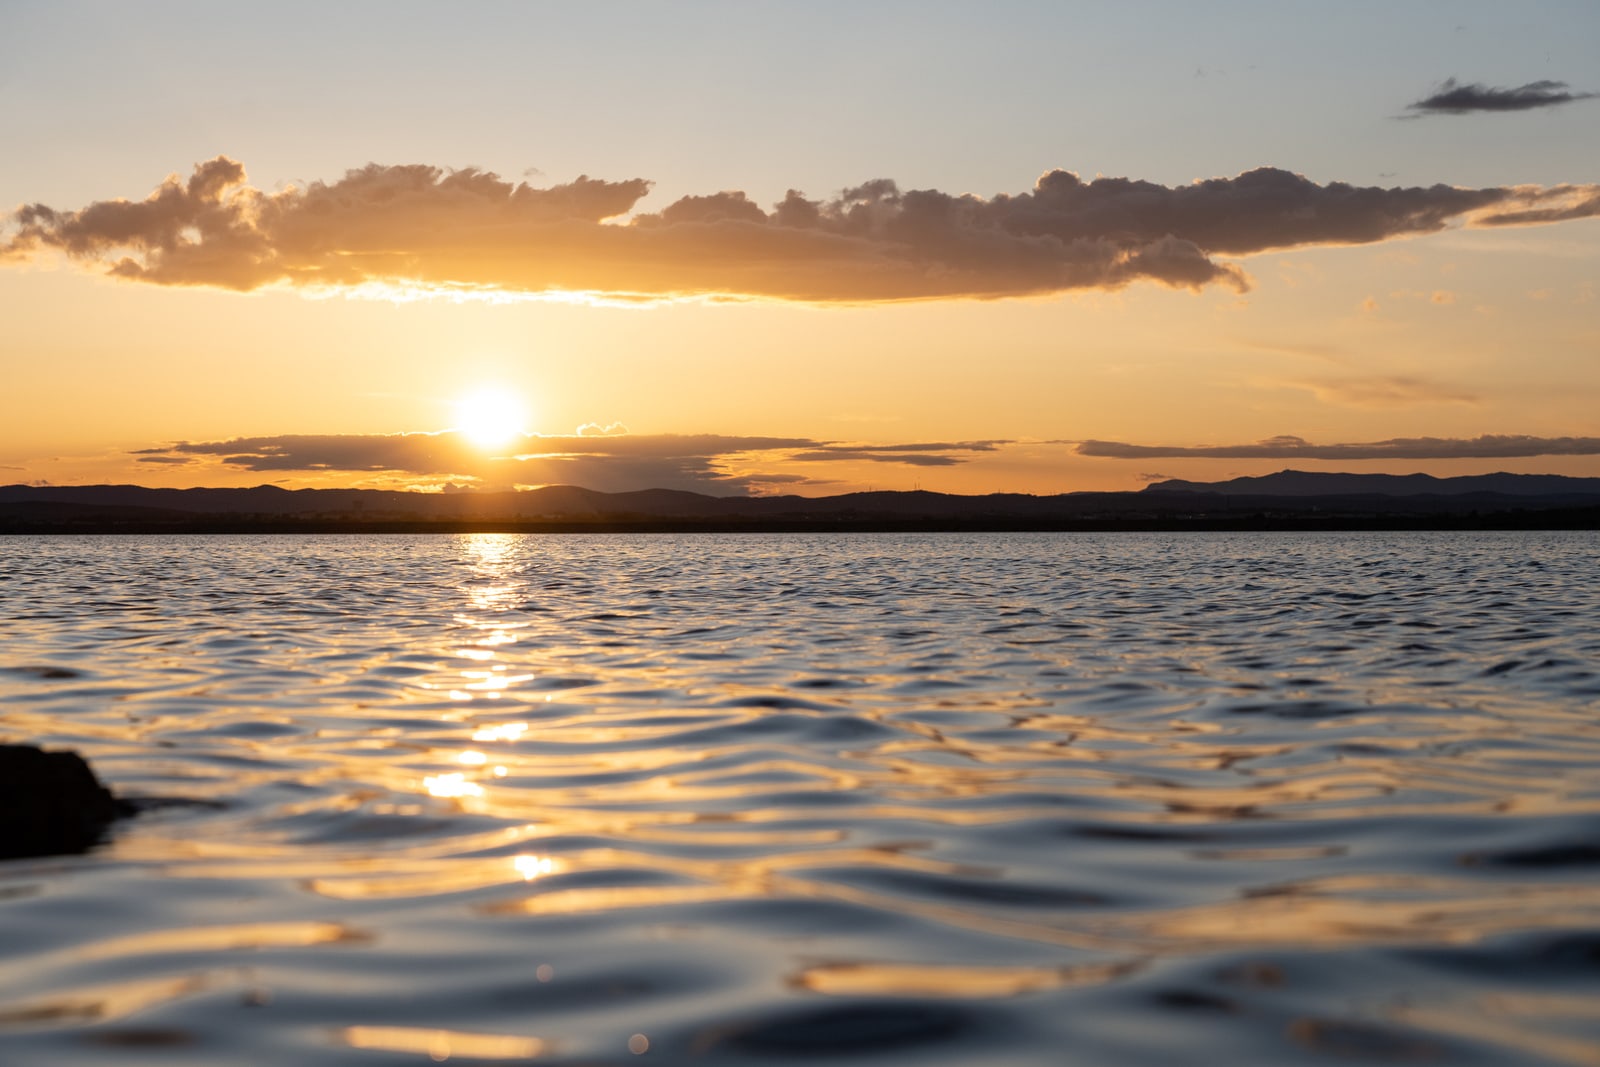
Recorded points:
(1487, 446)
(470, 232)
(722, 464)
(614, 462)
(1454, 98)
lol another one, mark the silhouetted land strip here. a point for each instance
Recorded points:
(1289, 500)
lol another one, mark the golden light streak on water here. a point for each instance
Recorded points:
(531, 867)
(510, 731)
(441, 1045)
(104, 1002)
(451, 785)
(932, 980)
(222, 939)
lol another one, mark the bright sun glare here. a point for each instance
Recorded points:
(490, 417)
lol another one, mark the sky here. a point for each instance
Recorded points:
(812, 248)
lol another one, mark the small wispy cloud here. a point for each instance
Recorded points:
(1393, 391)
(929, 454)
(1487, 446)
(1453, 98)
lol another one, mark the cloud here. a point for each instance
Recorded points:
(609, 461)
(417, 453)
(1488, 446)
(932, 446)
(1570, 202)
(823, 456)
(931, 454)
(785, 479)
(595, 429)
(1383, 392)
(1453, 98)
(606, 462)
(414, 227)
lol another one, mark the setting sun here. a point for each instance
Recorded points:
(490, 417)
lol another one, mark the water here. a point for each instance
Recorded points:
(1007, 799)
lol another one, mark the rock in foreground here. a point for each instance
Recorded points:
(51, 803)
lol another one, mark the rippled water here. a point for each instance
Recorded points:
(1007, 799)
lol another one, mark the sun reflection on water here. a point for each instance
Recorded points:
(531, 867)
(492, 591)
(494, 680)
(492, 557)
(453, 785)
(509, 731)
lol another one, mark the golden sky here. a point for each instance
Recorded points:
(1032, 248)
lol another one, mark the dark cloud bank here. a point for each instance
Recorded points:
(727, 464)
(471, 231)
(1453, 98)
(604, 462)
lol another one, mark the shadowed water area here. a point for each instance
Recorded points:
(1129, 799)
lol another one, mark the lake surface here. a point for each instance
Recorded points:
(1130, 799)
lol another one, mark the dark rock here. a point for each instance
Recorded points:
(51, 803)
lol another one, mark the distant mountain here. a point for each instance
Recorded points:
(555, 502)
(1286, 500)
(1313, 483)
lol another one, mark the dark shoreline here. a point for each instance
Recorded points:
(1286, 501)
(1559, 519)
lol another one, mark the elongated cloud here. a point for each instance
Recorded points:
(1568, 203)
(467, 231)
(1488, 446)
(1453, 98)
(606, 461)
(1395, 391)
(929, 454)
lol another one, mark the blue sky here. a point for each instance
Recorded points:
(765, 96)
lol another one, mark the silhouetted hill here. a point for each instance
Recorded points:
(1314, 483)
(1287, 500)
(550, 503)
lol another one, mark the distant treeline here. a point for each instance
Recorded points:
(1286, 501)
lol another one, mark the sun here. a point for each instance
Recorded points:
(490, 416)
